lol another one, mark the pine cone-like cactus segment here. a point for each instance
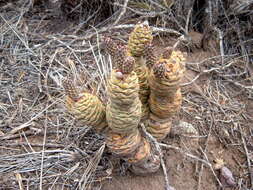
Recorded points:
(70, 89)
(160, 70)
(128, 66)
(149, 55)
(135, 149)
(123, 116)
(166, 75)
(120, 56)
(159, 128)
(167, 52)
(124, 108)
(139, 38)
(110, 45)
(85, 107)
(145, 159)
(165, 97)
(165, 106)
(142, 72)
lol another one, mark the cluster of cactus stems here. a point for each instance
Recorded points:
(142, 88)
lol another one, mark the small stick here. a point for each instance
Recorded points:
(188, 21)
(211, 167)
(43, 152)
(123, 11)
(19, 179)
(221, 44)
(34, 145)
(91, 168)
(206, 144)
(247, 156)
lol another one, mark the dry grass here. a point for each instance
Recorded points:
(43, 147)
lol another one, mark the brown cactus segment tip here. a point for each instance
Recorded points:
(70, 89)
(159, 70)
(110, 45)
(128, 66)
(149, 54)
(119, 56)
(167, 52)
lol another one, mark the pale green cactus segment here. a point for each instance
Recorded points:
(89, 110)
(139, 38)
(123, 111)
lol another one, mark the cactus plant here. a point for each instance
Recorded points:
(165, 96)
(141, 88)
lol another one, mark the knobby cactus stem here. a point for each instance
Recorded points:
(141, 88)
(165, 95)
(124, 115)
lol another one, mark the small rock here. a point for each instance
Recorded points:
(184, 128)
(226, 177)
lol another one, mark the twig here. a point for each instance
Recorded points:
(247, 156)
(221, 44)
(19, 179)
(211, 167)
(205, 148)
(123, 11)
(157, 146)
(91, 167)
(27, 141)
(188, 21)
(34, 145)
(43, 153)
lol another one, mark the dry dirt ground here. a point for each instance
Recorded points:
(43, 147)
